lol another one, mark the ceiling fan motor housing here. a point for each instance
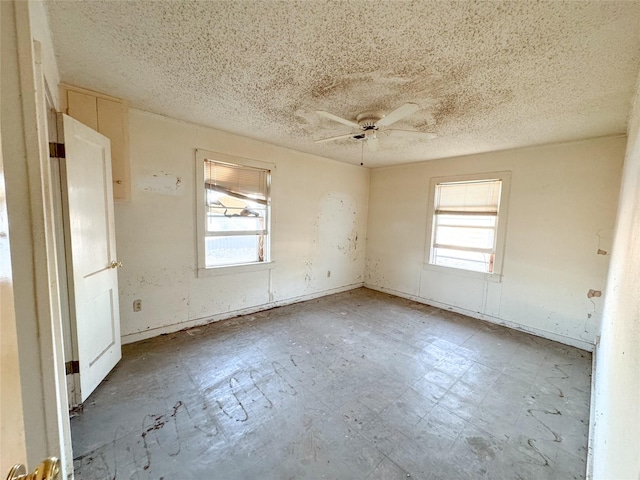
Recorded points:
(368, 121)
(368, 124)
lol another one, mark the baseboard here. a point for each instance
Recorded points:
(176, 327)
(154, 332)
(581, 344)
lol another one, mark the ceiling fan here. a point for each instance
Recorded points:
(370, 124)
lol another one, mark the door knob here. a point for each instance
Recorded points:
(116, 264)
(47, 470)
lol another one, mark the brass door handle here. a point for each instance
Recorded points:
(47, 470)
(115, 264)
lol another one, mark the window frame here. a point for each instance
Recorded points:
(501, 224)
(201, 218)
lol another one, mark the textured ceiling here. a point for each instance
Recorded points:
(487, 75)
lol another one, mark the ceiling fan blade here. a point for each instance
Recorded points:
(372, 144)
(336, 118)
(398, 114)
(338, 137)
(412, 134)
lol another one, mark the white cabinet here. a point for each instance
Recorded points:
(110, 117)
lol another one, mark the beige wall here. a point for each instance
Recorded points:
(616, 419)
(19, 341)
(12, 435)
(561, 211)
(318, 236)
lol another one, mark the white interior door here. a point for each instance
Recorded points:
(91, 253)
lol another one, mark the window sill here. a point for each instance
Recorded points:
(489, 277)
(232, 269)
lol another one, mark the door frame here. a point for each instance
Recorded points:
(59, 210)
(33, 253)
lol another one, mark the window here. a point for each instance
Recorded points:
(465, 228)
(234, 211)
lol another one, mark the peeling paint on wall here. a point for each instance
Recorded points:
(336, 238)
(372, 272)
(605, 238)
(161, 183)
(337, 224)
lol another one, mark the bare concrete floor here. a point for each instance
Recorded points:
(359, 385)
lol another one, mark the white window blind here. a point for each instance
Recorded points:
(468, 198)
(239, 181)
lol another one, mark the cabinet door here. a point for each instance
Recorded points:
(110, 118)
(112, 124)
(83, 108)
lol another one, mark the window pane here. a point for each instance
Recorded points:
(228, 214)
(223, 223)
(478, 262)
(467, 220)
(233, 250)
(465, 237)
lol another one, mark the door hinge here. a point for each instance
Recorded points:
(56, 150)
(72, 367)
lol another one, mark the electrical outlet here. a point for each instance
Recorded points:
(137, 305)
